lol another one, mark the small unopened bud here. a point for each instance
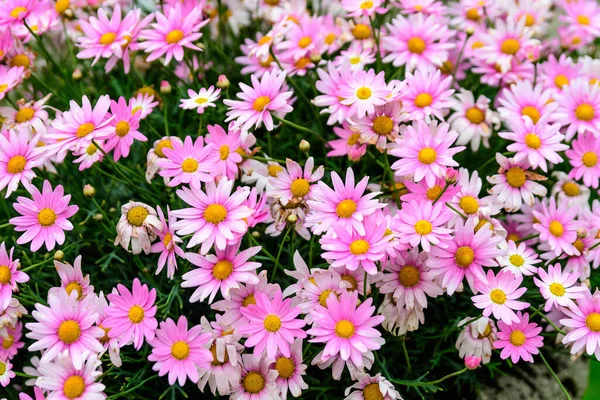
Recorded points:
(255, 234)
(165, 87)
(77, 75)
(582, 233)
(89, 191)
(470, 31)
(112, 210)
(223, 82)
(451, 175)
(292, 218)
(472, 362)
(98, 217)
(304, 146)
(315, 58)
(59, 255)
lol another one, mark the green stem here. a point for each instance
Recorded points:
(300, 128)
(527, 238)
(45, 51)
(406, 353)
(458, 59)
(442, 193)
(556, 328)
(254, 242)
(421, 384)
(287, 234)
(567, 395)
(116, 396)
(455, 210)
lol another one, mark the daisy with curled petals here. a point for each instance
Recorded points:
(137, 225)
(11, 343)
(65, 381)
(423, 223)
(9, 78)
(558, 287)
(519, 340)
(179, 351)
(558, 227)
(346, 329)
(345, 203)
(125, 125)
(131, 314)
(290, 370)
(18, 156)
(226, 146)
(348, 143)
(583, 322)
(43, 218)
(362, 91)
(465, 256)
(426, 95)
(523, 99)
(220, 272)
(425, 152)
(168, 244)
(583, 157)
(215, 217)
(188, 162)
(499, 294)
(257, 381)
(518, 259)
(172, 33)
(372, 387)
(199, 101)
(66, 325)
(269, 95)
(472, 119)
(294, 183)
(9, 276)
(72, 279)
(579, 108)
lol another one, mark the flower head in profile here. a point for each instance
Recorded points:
(519, 340)
(125, 125)
(18, 156)
(168, 246)
(499, 296)
(9, 276)
(201, 100)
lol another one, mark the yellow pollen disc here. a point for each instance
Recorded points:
(167, 239)
(264, 40)
(17, 11)
(409, 276)
(108, 38)
(365, 5)
(224, 152)
(354, 60)
(427, 155)
(20, 60)
(469, 204)
(416, 45)
(571, 189)
(5, 275)
(180, 350)
(215, 361)
(137, 215)
(423, 100)
(434, 192)
(174, 36)
(91, 150)
(483, 222)
(592, 321)
(510, 46)
(353, 139)
(515, 177)
(516, 260)
(304, 42)
(69, 331)
(46, 217)
(372, 392)
(473, 14)
(267, 63)
(249, 300)
(166, 143)
(345, 208)
(323, 297)
(7, 342)
(584, 112)
(352, 280)
(517, 338)
(24, 114)
(361, 31)
(62, 5)
(589, 159)
(498, 296)
(272, 323)
(136, 314)
(74, 387)
(253, 382)
(531, 112)
(579, 246)
(122, 128)
(330, 38)
(477, 44)
(285, 367)
(3, 87)
(513, 236)
(583, 20)
(84, 130)
(344, 329)
(222, 270)
(16, 164)
(260, 103)
(300, 187)
(475, 115)
(363, 93)
(464, 256)
(75, 286)
(201, 100)
(561, 81)
(2, 368)
(189, 165)
(135, 109)
(383, 125)
(423, 227)
(302, 62)
(215, 213)
(556, 228)
(533, 141)
(274, 169)
(447, 67)
(557, 289)
(359, 247)
(529, 20)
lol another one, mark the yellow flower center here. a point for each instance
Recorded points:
(91, 150)
(46, 217)
(423, 100)
(345, 208)
(353, 139)
(584, 112)
(423, 227)
(323, 297)
(516, 260)
(354, 60)
(180, 350)
(473, 14)
(531, 112)
(166, 143)
(359, 247)
(383, 125)
(529, 20)
(122, 128)
(260, 103)
(517, 338)
(274, 169)
(16, 164)
(215, 213)
(250, 299)
(589, 159)
(189, 165)
(2, 368)
(137, 215)
(409, 276)
(174, 36)
(304, 42)
(592, 321)
(557, 289)
(427, 155)
(571, 189)
(62, 5)
(222, 270)
(351, 280)
(253, 382)
(372, 392)
(556, 228)
(469, 204)
(17, 11)
(3, 87)
(24, 114)
(434, 192)
(515, 177)
(136, 314)
(167, 239)
(74, 387)
(513, 236)
(498, 296)
(300, 187)
(108, 38)
(365, 5)
(363, 93)
(75, 286)
(330, 38)
(272, 323)
(84, 130)
(510, 46)
(464, 256)
(475, 115)
(561, 81)
(416, 45)
(69, 331)
(361, 31)
(5, 275)
(583, 20)
(533, 141)
(579, 246)
(201, 100)
(224, 152)
(447, 67)
(285, 367)
(344, 329)
(7, 342)
(215, 361)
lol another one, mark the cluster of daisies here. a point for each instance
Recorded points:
(517, 246)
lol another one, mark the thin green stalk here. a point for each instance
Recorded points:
(116, 396)
(300, 128)
(287, 234)
(45, 51)
(527, 238)
(456, 211)
(458, 59)
(442, 193)
(406, 353)
(556, 328)
(567, 395)
(255, 242)
(421, 384)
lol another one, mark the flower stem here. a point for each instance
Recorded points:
(442, 193)
(406, 353)
(527, 238)
(287, 234)
(300, 128)
(567, 395)
(456, 211)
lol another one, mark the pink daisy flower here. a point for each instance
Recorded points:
(579, 108)
(18, 156)
(9, 276)
(269, 95)
(66, 326)
(199, 101)
(290, 370)
(472, 119)
(557, 287)
(519, 340)
(72, 279)
(345, 204)
(350, 249)
(347, 330)
(11, 342)
(422, 191)
(372, 387)
(423, 223)
(425, 152)
(215, 217)
(362, 91)
(144, 103)
(257, 381)
(172, 33)
(14, 12)
(348, 143)
(131, 314)
(168, 246)
(9, 78)
(188, 162)
(179, 351)
(329, 84)
(88, 156)
(558, 227)
(499, 296)
(103, 37)
(506, 43)
(226, 145)
(380, 126)
(583, 156)
(293, 183)
(465, 256)
(65, 381)
(357, 8)
(125, 123)
(583, 321)
(272, 325)
(555, 74)
(220, 272)
(520, 260)
(7, 372)
(43, 219)
(426, 95)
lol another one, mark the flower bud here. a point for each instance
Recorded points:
(165, 87)
(304, 146)
(315, 58)
(223, 82)
(255, 234)
(98, 217)
(582, 233)
(292, 218)
(89, 191)
(59, 255)
(472, 362)
(451, 175)
(77, 75)
(470, 31)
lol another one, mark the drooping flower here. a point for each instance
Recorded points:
(519, 340)
(558, 287)
(18, 156)
(499, 294)
(476, 338)
(137, 225)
